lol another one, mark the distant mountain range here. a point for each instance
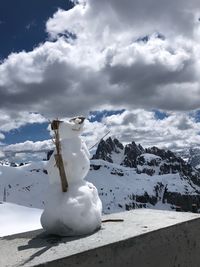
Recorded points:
(126, 176)
(150, 160)
(155, 163)
(192, 156)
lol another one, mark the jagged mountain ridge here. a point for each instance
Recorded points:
(151, 160)
(191, 155)
(154, 162)
(126, 176)
(194, 157)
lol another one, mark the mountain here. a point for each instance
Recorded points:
(24, 185)
(156, 163)
(126, 176)
(151, 160)
(194, 157)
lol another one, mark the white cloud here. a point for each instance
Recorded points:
(26, 157)
(13, 120)
(2, 155)
(177, 131)
(2, 136)
(29, 147)
(104, 65)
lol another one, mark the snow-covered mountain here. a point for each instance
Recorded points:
(16, 219)
(151, 160)
(24, 185)
(168, 174)
(192, 156)
(126, 177)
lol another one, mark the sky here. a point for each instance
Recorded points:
(130, 67)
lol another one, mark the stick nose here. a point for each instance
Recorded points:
(81, 119)
(78, 119)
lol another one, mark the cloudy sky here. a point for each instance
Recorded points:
(132, 67)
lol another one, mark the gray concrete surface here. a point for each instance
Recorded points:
(145, 238)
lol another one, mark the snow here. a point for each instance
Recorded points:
(25, 185)
(77, 211)
(118, 157)
(198, 166)
(148, 157)
(16, 219)
(116, 191)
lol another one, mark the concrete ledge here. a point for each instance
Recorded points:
(145, 238)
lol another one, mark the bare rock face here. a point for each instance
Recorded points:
(131, 152)
(175, 164)
(135, 156)
(106, 148)
(194, 157)
(154, 161)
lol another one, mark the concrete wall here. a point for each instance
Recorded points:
(145, 238)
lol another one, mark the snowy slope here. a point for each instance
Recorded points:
(16, 219)
(119, 187)
(25, 185)
(126, 178)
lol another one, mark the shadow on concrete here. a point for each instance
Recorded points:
(41, 242)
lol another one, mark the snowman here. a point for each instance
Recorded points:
(72, 206)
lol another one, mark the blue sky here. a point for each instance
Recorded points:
(39, 131)
(22, 23)
(148, 89)
(34, 132)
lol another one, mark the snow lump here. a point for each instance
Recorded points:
(77, 211)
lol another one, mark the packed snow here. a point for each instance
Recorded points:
(118, 186)
(77, 211)
(16, 219)
(116, 191)
(25, 185)
(149, 157)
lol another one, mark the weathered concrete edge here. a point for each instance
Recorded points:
(115, 241)
(116, 254)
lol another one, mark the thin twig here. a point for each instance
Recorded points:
(58, 156)
(99, 140)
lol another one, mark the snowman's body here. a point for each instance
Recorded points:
(77, 211)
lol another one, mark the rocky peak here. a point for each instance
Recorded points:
(194, 157)
(106, 148)
(151, 160)
(131, 152)
(164, 154)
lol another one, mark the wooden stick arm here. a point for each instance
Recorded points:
(58, 156)
(60, 165)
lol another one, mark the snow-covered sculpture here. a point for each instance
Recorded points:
(78, 210)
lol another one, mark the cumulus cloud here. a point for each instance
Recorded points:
(29, 147)
(98, 59)
(112, 54)
(2, 155)
(10, 120)
(177, 131)
(2, 136)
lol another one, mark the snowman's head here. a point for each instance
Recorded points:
(71, 128)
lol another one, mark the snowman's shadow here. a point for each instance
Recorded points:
(45, 242)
